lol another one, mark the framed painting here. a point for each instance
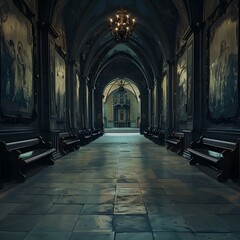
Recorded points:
(223, 66)
(16, 63)
(60, 88)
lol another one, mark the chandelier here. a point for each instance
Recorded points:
(121, 25)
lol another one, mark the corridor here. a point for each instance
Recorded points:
(120, 187)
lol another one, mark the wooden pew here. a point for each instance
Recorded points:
(16, 156)
(68, 142)
(148, 132)
(93, 133)
(175, 142)
(221, 155)
(84, 136)
(158, 136)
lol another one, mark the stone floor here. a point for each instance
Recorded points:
(120, 187)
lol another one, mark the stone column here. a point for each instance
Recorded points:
(90, 104)
(170, 96)
(71, 89)
(84, 102)
(150, 107)
(98, 116)
(93, 107)
(198, 98)
(158, 102)
(45, 83)
(144, 110)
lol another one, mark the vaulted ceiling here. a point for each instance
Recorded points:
(87, 39)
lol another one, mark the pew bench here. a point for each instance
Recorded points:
(68, 142)
(16, 156)
(221, 155)
(93, 133)
(148, 132)
(84, 136)
(157, 136)
(175, 142)
(100, 132)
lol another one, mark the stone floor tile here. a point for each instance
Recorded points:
(12, 235)
(130, 209)
(6, 208)
(128, 191)
(77, 192)
(95, 209)
(206, 223)
(129, 199)
(163, 209)
(134, 236)
(65, 209)
(31, 208)
(42, 199)
(94, 223)
(72, 199)
(216, 236)
(48, 185)
(168, 223)
(104, 199)
(51, 191)
(231, 221)
(127, 185)
(184, 199)
(192, 209)
(103, 191)
(106, 185)
(92, 236)
(56, 223)
(131, 223)
(48, 236)
(174, 236)
(157, 199)
(153, 191)
(19, 223)
(14, 198)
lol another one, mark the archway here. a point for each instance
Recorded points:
(121, 104)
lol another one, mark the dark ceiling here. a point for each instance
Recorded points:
(87, 39)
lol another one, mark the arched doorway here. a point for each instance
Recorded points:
(121, 104)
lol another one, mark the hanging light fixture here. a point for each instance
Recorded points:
(121, 25)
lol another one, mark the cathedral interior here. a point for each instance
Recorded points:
(119, 120)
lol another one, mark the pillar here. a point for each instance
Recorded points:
(198, 99)
(46, 81)
(170, 96)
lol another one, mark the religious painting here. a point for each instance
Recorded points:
(181, 102)
(60, 87)
(52, 78)
(16, 62)
(189, 78)
(223, 66)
